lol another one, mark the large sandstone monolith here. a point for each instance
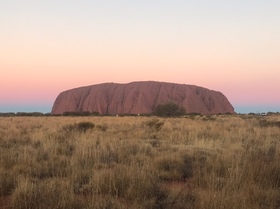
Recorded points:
(140, 97)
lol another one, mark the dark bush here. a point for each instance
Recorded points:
(84, 126)
(7, 114)
(169, 110)
(81, 127)
(85, 113)
(95, 113)
(29, 114)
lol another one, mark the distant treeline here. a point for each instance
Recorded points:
(268, 113)
(166, 110)
(87, 113)
(9, 114)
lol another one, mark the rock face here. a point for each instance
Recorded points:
(140, 97)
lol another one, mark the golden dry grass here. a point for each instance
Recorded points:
(141, 162)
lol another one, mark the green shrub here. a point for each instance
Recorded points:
(169, 110)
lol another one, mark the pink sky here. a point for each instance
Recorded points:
(47, 48)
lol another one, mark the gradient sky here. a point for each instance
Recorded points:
(49, 46)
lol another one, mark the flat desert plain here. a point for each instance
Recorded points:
(198, 161)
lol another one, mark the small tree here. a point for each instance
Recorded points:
(169, 109)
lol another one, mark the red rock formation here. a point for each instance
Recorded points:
(140, 97)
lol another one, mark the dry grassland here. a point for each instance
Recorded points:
(197, 162)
